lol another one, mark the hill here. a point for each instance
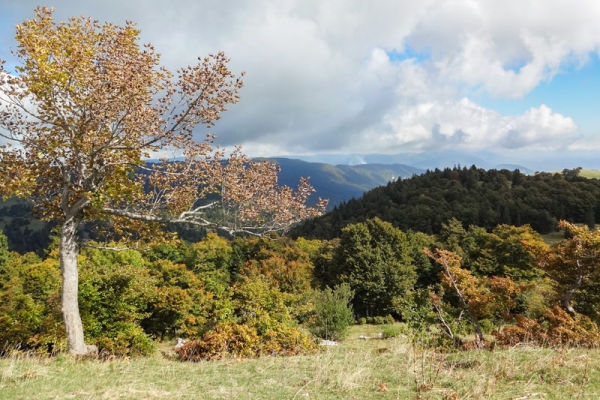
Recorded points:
(473, 196)
(340, 182)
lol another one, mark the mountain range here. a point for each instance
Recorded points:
(526, 161)
(343, 182)
(339, 183)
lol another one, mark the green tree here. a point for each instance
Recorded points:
(333, 313)
(374, 259)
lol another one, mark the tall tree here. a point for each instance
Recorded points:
(83, 108)
(573, 263)
(374, 259)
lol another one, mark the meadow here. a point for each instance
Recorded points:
(356, 369)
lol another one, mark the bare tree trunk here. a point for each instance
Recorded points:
(566, 300)
(463, 301)
(69, 250)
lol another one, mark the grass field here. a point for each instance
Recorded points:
(590, 173)
(553, 237)
(356, 369)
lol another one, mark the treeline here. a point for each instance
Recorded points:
(24, 233)
(472, 195)
(256, 296)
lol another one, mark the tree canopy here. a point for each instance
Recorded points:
(473, 196)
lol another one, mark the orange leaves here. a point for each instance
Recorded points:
(573, 262)
(485, 297)
(243, 341)
(558, 329)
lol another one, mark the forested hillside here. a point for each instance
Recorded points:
(472, 195)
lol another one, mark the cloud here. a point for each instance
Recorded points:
(463, 123)
(320, 78)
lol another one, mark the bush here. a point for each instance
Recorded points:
(178, 305)
(129, 340)
(556, 329)
(115, 292)
(390, 331)
(239, 340)
(487, 326)
(362, 321)
(333, 313)
(30, 304)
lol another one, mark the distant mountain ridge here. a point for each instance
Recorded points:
(524, 160)
(340, 182)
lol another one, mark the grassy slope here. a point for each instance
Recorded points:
(357, 369)
(590, 173)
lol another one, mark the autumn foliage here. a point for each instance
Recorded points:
(86, 105)
(556, 329)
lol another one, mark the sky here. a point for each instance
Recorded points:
(517, 79)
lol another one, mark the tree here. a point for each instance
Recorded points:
(573, 263)
(333, 313)
(466, 287)
(374, 259)
(86, 105)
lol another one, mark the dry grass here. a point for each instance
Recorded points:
(357, 369)
(590, 173)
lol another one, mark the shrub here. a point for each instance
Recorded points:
(287, 341)
(333, 313)
(487, 326)
(29, 304)
(239, 340)
(225, 339)
(115, 292)
(362, 321)
(390, 331)
(556, 329)
(178, 304)
(128, 339)
(281, 262)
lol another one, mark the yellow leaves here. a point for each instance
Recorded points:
(86, 107)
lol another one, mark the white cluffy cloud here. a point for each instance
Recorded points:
(320, 77)
(463, 123)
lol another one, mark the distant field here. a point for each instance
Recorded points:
(357, 369)
(590, 173)
(553, 237)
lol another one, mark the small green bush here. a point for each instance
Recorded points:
(333, 313)
(362, 321)
(389, 319)
(487, 326)
(379, 320)
(129, 340)
(390, 331)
